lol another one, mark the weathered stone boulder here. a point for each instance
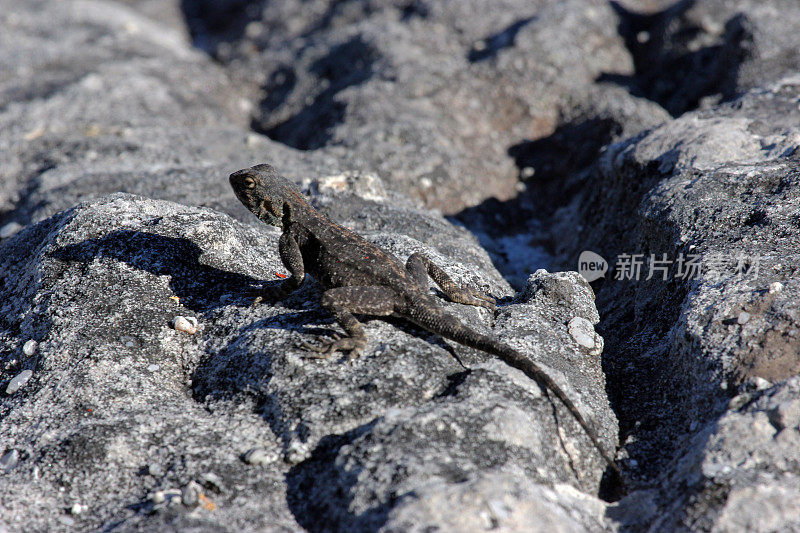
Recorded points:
(126, 419)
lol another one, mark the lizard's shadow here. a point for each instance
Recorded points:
(200, 287)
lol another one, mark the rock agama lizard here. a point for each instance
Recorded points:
(361, 278)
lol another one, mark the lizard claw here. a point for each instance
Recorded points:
(480, 299)
(320, 352)
(328, 347)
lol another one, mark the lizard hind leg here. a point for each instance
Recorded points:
(342, 303)
(420, 267)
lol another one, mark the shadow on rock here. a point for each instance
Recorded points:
(674, 64)
(346, 65)
(491, 45)
(574, 146)
(213, 22)
(200, 287)
(318, 489)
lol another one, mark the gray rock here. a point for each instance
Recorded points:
(259, 456)
(786, 415)
(718, 185)
(29, 348)
(190, 495)
(97, 99)
(506, 501)
(407, 411)
(18, 381)
(690, 54)
(445, 103)
(433, 95)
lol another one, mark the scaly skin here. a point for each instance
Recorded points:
(361, 278)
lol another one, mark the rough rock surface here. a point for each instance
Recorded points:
(436, 93)
(113, 418)
(638, 126)
(717, 187)
(95, 99)
(688, 54)
(121, 405)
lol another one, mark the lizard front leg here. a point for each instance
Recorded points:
(342, 302)
(420, 267)
(292, 259)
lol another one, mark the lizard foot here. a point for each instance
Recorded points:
(483, 300)
(265, 294)
(328, 347)
(471, 296)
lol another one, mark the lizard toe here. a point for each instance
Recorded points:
(327, 347)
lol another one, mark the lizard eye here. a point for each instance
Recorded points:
(250, 183)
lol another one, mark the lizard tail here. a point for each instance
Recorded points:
(435, 319)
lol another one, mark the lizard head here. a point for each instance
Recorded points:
(267, 194)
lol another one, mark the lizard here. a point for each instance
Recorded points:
(361, 278)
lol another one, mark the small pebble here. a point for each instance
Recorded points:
(29, 348)
(190, 495)
(155, 470)
(582, 331)
(258, 456)
(296, 452)
(759, 383)
(18, 381)
(158, 497)
(10, 229)
(77, 509)
(786, 414)
(187, 324)
(9, 459)
(775, 287)
(743, 318)
(211, 481)
(153, 368)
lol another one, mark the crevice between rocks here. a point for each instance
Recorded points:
(649, 385)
